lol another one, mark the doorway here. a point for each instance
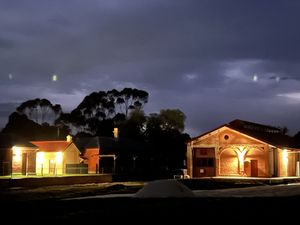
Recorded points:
(254, 168)
(52, 166)
(24, 163)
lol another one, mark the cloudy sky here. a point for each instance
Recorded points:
(215, 60)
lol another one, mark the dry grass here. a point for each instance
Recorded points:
(68, 191)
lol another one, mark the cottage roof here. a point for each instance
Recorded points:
(83, 143)
(52, 146)
(10, 140)
(268, 134)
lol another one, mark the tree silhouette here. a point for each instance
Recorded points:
(134, 126)
(164, 132)
(22, 126)
(40, 110)
(129, 99)
(101, 110)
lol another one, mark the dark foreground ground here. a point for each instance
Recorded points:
(157, 211)
(46, 206)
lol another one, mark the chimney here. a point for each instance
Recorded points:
(69, 138)
(116, 132)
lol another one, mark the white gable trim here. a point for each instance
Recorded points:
(235, 131)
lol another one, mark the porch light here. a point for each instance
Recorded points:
(58, 157)
(116, 132)
(16, 153)
(285, 156)
(40, 157)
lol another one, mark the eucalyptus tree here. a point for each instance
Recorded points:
(99, 111)
(131, 98)
(40, 110)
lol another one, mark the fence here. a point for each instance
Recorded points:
(76, 168)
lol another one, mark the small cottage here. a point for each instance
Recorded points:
(17, 155)
(57, 157)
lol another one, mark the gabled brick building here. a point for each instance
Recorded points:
(244, 149)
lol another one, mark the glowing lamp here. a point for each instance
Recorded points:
(17, 153)
(58, 157)
(40, 157)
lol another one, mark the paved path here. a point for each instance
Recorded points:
(283, 190)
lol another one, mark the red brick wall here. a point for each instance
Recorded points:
(92, 156)
(228, 163)
(225, 141)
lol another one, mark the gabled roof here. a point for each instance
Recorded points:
(110, 145)
(83, 143)
(268, 134)
(10, 140)
(265, 133)
(52, 146)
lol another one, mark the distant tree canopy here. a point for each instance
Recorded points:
(101, 110)
(164, 132)
(23, 127)
(34, 119)
(134, 126)
(97, 115)
(40, 110)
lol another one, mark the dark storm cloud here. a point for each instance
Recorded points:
(6, 44)
(5, 110)
(214, 60)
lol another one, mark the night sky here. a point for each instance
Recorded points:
(215, 60)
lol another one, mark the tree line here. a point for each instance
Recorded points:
(97, 115)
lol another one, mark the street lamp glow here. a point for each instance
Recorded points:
(254, 78)
(54, 77)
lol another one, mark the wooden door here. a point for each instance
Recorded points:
(52, 166)
(24, 163)
(254, 168)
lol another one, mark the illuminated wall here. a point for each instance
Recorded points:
(287, 161)
(54, 162)
(49, 163)
(23, 160)
(72, 155)
(235, 154)
(228, 163)
(17, 160)
(259, 154)
(92, 158)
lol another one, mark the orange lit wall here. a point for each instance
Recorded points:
(228, 163)
(92, 156)
(226, 144)
(286, 162)
(23, 160)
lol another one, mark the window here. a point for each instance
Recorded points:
(203, 151)
(205, 162)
